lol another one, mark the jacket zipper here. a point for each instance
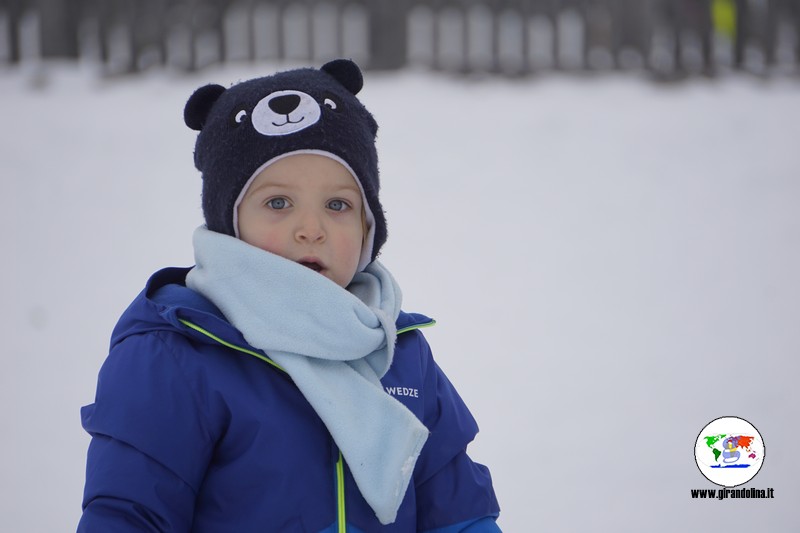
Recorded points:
(340, 509)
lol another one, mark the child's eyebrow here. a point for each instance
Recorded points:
(336, 189)
(269, 185)
(351, 188)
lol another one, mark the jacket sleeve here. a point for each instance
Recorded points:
(150, 443)
(453, 492)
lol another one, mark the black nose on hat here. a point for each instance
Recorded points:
(283, 105)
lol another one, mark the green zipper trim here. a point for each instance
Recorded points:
(340, 494)
(229, 345)
(267, 359)
(417, 326)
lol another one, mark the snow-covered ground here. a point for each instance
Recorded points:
(612, 264)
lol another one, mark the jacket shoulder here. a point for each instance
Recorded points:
(410, 321)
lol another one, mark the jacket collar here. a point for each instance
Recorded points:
(166, 301)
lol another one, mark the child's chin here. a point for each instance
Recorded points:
(330, 276)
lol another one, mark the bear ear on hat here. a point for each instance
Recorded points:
(345, 72)
(199, 105)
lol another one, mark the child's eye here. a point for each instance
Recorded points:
(277, 203)
(338, 205)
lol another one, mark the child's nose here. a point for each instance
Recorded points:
(310, 229)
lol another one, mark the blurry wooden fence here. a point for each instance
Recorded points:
(670, 38)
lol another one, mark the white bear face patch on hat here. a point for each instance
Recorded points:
(284, 112)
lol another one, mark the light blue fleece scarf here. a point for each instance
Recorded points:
(335, 344)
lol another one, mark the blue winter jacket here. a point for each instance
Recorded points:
(195, 430)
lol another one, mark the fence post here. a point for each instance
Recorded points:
(58, 29)
(742, 33)
(13, 11)
(771, 32)
(388, 34)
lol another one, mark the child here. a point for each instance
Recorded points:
(277, 385)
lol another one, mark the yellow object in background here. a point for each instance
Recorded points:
(723, 17)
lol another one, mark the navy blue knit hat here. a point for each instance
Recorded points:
(252, 124)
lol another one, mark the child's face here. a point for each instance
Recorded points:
(306, 208)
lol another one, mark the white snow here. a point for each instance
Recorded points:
(612, 264)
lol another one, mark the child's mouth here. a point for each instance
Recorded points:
(313, 265)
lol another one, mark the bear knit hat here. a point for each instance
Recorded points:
(245, 128)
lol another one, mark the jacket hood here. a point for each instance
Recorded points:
(166, 301)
